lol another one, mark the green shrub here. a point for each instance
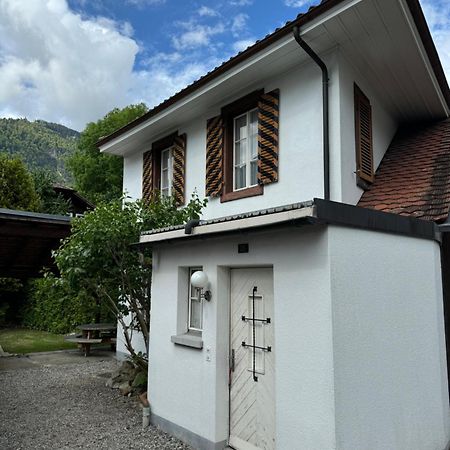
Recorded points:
(53, 307)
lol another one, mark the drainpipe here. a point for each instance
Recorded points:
(326, 131)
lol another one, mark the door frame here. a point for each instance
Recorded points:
(230, 268)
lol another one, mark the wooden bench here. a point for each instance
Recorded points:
(84, 343)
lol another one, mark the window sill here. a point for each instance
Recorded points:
(243, 193)
(189, 339)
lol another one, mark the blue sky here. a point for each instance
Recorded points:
(71, 61)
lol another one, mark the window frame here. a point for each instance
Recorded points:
(157, 149)
(248, 156)
(169, 170)
(191, 270)
(229, 113)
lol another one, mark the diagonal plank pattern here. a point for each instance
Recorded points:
(252, 404)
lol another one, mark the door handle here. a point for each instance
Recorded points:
(233, 359)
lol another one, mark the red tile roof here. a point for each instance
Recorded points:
(413, 178)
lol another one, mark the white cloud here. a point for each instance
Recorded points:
(437, 14)
(196, 35)
(238, 46)
(241, 2)
(143, 3)
(205, 11)
(296, 3)
(58, 66)
(162, 79)
(239, 24)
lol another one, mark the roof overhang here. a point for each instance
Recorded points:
(27, 240)
(316, 212)
(388, 42)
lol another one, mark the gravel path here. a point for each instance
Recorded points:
(69, 407)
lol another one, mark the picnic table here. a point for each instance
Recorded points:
(94, 333)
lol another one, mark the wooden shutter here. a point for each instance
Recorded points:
(179, 157)
(214, 156)
(268, 119)
(363, 131)
(147, 177)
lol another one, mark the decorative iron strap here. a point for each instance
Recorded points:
(253, 346)
(268, 117)
(179, 156)
(147, 177)
(214, 155)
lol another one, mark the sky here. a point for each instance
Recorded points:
(72, 61)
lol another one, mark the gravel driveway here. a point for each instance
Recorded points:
(68, 406)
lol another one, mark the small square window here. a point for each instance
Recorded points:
(195, 314)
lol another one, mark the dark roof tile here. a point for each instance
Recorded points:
(413, 178)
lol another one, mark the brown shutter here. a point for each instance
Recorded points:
(179, 157)
(363, 131)
(268, 118)
(214, 156)
(147, 177)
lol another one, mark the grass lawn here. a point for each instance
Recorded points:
(21, 340)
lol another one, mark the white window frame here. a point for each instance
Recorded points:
(167, 191)
(248, 158)
(192, 290)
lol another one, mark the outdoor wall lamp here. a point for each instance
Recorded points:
(199, 280)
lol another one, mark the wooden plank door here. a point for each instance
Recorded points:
(252, 374)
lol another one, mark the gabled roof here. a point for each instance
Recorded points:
(300, 20)
(413, 178)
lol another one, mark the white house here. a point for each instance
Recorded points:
(321, 324)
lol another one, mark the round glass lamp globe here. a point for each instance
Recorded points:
(199, 280)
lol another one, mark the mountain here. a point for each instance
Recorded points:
(40, 144)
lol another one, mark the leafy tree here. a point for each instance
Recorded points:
(98, 176)
(50, 201)
(51, 305)
(97, 257)
(17, 190)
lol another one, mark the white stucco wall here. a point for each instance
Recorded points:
(300, 139)
(300, 143)
(132, 175)
(389, 346)
(191, 392)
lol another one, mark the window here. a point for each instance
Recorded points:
(242, 147)
(240, 163)
(195, 314)
(245, 151)
(163, 169)
(166, 179)
(363, 137)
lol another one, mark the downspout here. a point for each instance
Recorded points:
(325, 108)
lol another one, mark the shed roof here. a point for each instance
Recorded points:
(27, 240)
(413, 179)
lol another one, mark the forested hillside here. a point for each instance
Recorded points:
(40, 144)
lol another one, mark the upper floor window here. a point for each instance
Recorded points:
(166, 179)
(245, 154)
(163, 171)
(242, 147)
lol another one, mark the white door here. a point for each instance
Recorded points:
(252, 395)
